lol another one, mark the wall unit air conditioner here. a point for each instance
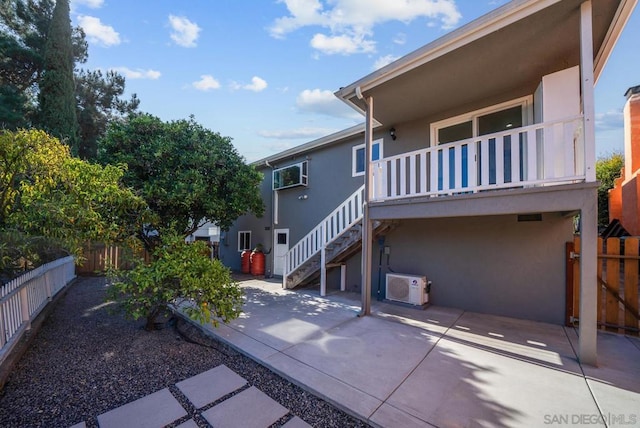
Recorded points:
(410, 289)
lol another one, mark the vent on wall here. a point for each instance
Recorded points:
(407, 289)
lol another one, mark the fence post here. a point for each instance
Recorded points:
(24, 306)
(3, 332)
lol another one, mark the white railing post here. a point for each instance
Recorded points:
(323, 271)
(3, 330)
(24, 307)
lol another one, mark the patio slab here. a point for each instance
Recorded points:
(209, 386)
(152, 411)
(463, 385)
(435, 367)
(251, 408)
(384, 353)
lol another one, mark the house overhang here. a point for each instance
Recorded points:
(505, 52)
(568, 199)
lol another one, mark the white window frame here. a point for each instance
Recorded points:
(354, 156)
(241, 240)
(527, 116)
(303, 178)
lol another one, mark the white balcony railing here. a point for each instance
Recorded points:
(542, 154)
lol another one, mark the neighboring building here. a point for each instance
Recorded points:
(482, 154)
(624, 198)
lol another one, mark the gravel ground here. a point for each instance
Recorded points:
(87, 360)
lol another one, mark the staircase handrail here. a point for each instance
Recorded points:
(329, 229)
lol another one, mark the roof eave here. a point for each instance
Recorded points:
(474, 30)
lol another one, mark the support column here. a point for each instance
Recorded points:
(343, 277)
(367, 227)
(323, 271)
(587, 347)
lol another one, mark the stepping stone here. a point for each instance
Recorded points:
(211, 385)
(296, 422)
(153, 411)
(251, 408)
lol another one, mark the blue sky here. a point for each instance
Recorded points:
(264, 72)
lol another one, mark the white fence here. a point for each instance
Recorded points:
(342, 218)
(541, 154)
(22, 299)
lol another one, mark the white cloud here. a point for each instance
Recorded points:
(92, 4)
(384, 60)
(185, 33)
(350, 23)
(294, 134)
(343, 44)
(206, 83)
(257, 85)
(613, 119)
(97, 32)
(324, 102)
(400, 39)
(138, 73)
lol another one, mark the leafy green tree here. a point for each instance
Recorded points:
(57, 88)
(184, 172)
(98, 103)
(181, 275)
(608, 168)
(44, 191)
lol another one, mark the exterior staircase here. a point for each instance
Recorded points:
(333, 240)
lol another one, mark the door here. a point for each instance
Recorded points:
(280, 248)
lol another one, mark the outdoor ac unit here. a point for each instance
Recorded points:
(407, 289)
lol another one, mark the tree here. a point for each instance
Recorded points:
(24, 27)
(608, 168)
(57, 98)
(184, 172)
(44, 191)
(181, 275)
(98, 103)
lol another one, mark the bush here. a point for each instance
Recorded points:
(180, 275)
(20, 253)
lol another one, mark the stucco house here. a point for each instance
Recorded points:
(481, 153)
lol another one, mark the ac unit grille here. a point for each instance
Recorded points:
(407, 289)
(398, 289)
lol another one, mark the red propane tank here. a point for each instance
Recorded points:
(245, 261)
(257, 263)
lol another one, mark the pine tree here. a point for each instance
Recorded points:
(57, 100)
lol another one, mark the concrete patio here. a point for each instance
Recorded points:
(444, 367)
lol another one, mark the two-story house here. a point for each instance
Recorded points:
(475, 161)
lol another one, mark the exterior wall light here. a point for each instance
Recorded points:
(392, 132)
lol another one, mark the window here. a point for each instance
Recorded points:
(290, 176)
(358, 156)
(512, 114)
(244, 240)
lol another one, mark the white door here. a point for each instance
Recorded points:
(280, 248)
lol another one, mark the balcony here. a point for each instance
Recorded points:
(545, 154)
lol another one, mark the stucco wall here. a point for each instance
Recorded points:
(486, 264)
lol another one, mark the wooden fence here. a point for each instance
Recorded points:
(617, 280)
(99, 257)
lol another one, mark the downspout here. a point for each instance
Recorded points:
(266, 162)
(367, 227)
